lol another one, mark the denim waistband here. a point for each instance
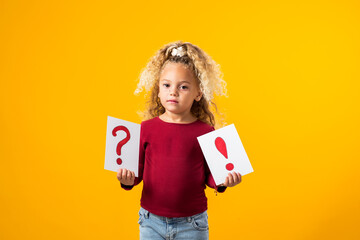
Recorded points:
(169, 219)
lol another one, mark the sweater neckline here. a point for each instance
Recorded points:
(179, 124)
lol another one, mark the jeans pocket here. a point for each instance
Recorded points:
(141, 216)
(200, 222)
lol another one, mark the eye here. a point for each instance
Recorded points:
(184, 87)
(166, 85)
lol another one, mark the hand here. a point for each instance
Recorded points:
(232, 180)
(126, 177)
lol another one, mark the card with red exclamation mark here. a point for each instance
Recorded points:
(224, 153)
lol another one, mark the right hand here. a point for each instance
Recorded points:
(126, 177)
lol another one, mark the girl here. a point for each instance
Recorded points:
(182, 79)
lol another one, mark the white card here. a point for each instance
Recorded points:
(122, 145)
(224, 153)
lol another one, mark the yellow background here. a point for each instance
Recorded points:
(292, 69)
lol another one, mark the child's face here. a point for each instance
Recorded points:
(178, 89)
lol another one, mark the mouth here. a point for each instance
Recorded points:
(172, 101)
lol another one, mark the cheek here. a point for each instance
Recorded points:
(161, 92)
(162, 95)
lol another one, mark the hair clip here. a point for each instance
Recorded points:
(178, 52)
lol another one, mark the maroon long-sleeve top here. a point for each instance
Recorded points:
(173, 168)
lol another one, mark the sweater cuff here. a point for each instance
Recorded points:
(221, 189)
(127, 187)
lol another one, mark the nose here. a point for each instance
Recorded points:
(173, 91)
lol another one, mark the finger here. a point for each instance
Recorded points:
(128, 175)
(119, 174)
(226, 183)
(231, 179)
(239, 176)
(124, 174)
(236, 178)
(132, 175)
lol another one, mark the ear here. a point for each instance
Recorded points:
(199, 96)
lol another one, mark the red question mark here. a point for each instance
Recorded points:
(122, 142)
(221, 146)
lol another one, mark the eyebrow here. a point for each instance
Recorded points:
(164, 79)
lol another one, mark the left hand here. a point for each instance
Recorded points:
(232, 180)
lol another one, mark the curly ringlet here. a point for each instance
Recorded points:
(204, 68)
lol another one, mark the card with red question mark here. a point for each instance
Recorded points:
(122, 145)
(224, 153)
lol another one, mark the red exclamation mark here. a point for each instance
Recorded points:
(221, 146)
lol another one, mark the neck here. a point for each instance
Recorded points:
(176, 118)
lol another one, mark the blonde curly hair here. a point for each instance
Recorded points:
(206, 70)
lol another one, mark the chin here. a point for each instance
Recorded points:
(173, 111)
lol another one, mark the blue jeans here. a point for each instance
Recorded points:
(156, 227)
